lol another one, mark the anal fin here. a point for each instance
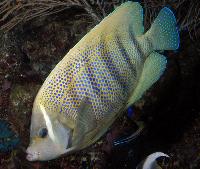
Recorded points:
(154, 67)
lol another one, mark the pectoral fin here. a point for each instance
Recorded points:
(85, 122)
(154, 67)
(63, 134)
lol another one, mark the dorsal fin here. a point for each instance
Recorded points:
(129, 15)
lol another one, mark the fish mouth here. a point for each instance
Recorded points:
(31, 156)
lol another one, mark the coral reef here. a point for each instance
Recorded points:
(16, 12)
(8, 138)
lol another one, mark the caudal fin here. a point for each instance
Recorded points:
(163, 33)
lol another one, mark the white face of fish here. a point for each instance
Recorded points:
(48, 139)
(43, 149)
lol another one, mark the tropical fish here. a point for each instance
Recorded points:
(150, 161)
(104, 73)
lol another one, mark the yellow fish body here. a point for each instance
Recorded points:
(105, 72)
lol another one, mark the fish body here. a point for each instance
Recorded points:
(105, 72)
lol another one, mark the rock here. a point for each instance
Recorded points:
(21, 102)
(21, 99)
(8, 138)
(45, 42)
(6, 85)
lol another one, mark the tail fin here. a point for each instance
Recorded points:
(163, 33)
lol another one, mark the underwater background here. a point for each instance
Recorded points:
(34, 37)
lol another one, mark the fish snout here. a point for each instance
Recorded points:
(32, 155)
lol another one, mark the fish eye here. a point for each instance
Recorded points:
(43, 132)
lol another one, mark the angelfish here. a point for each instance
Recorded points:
(108, 70)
